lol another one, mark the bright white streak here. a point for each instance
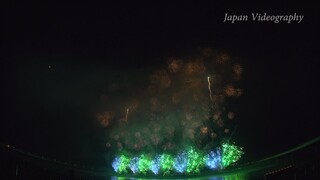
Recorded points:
(209, 87)
(126, 120)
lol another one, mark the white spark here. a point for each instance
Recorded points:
(126, 120)
(209, 87)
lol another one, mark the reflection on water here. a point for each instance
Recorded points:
(220, 177)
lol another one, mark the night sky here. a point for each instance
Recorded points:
(59, 59)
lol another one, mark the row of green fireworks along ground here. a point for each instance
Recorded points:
(189, 161)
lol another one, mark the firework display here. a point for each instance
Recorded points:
(188, 162)
(179, 122)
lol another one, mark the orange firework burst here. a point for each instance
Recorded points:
(230, 90)
(207, 52)
(239, 92)
(237, 68)
(220, 122)
(231, 115)
(222, 58)
(195, 67)
(204, 130)
(104, 118)
(161, 78)
(175, 65)
(216, 115)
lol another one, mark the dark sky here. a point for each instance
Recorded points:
(50, 111)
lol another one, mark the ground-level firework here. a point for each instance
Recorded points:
(189, 161)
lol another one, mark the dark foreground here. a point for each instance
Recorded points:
(302, 162)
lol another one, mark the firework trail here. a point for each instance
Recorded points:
(127, 113)
(209, 87)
